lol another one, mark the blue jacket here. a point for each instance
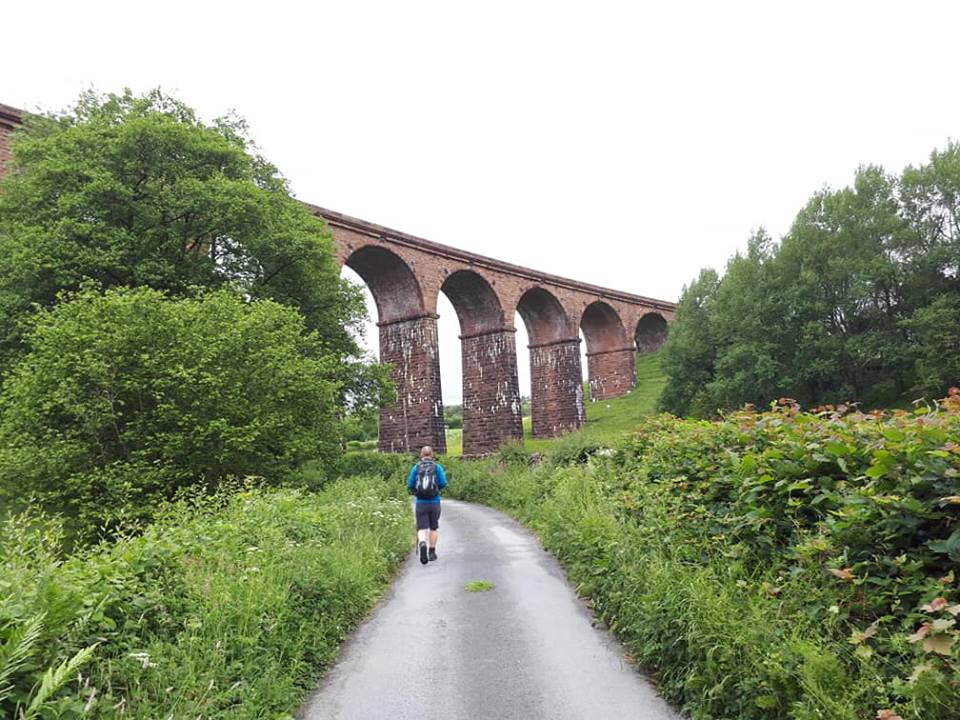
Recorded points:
(441, 482)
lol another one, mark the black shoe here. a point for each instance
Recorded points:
(433, 553)
(423, 553)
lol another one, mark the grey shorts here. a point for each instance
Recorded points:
(428, 516)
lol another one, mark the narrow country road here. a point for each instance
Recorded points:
(525, 649)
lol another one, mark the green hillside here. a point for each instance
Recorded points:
(603, 418)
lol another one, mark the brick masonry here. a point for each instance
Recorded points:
(556, 381)
(9, 119)
(406, 275)
(651, 333)
(491, 392)
(416, 418)
(612, 373)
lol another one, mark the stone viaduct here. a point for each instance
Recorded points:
(406, 274)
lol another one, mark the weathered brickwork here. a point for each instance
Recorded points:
(416, 419)
(406, 274)
(651, 333)
(612, 373)
(486, 294)
(9, 119)
(491, 392)
(556, 381)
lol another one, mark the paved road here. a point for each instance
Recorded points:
(525, 649)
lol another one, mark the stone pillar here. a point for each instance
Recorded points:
(416, 419)
(491, 392)
(612, 373)
(556, 381)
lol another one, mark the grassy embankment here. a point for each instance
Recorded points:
(227, 608)
(780, 565)
(603, 418)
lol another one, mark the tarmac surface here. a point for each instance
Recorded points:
(525, 649)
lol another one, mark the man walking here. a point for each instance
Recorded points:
(426, 480)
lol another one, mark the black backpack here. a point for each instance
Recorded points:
(426, 487)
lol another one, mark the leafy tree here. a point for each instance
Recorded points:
(858, 302)
(453, 416)
(935, 329)
(689, 355)
(845, 292)
(749, 331)
(137, 191)
(127, 396)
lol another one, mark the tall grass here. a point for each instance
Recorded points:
(225, 608)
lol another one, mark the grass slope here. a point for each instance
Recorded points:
(608, 417)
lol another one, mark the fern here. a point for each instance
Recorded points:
(54, 679)
(17, 650)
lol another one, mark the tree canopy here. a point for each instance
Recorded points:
(137, 191)
(858, 302)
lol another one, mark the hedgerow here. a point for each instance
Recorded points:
(783, 564)
(227, 607)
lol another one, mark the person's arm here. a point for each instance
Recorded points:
(441, 476)
(412, 477)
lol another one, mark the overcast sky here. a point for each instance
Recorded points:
(624, 144)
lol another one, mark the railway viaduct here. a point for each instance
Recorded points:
(406, 274)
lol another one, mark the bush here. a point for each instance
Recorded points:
(228, 607)
(128, 396)
(769, 565)
(388, 466)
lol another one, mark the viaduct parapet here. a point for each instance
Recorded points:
(406, 274)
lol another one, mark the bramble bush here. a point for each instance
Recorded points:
(783, 564)
(128, 396)
(227, 607)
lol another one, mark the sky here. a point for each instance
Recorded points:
(626, 144)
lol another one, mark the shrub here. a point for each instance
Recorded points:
(128, 396)
(768, 565)
(388, 466)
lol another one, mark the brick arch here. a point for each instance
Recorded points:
(651, 332)
(611, 367)
(556, 378)
(477, 304)
(545, 318)
(491, 390)
(394, 287)
(602, 328)
(408, 344)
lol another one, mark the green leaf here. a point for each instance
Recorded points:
(949, 547)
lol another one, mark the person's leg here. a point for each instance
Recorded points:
(423, 530)
(434, 531)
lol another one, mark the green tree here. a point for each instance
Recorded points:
(125, 397)
(751, 329)
(137, 191)
(844, 292)
(689, 355)
(935, 330)
(930, 199)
